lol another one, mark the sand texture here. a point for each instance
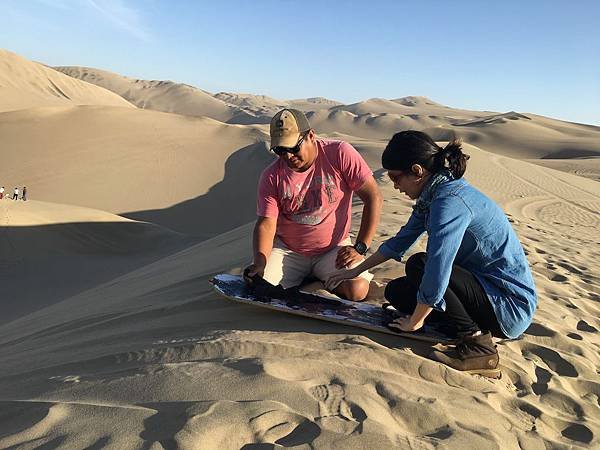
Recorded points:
(112, 337)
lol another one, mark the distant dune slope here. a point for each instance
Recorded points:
(179, 98)
(270, 105)
(26, 84)
(126, 160)
(165, 96)
(524, 136)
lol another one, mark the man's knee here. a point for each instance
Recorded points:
(355, 290)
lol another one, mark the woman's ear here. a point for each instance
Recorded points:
(418, 170)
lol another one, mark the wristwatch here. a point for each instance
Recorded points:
(361, 248)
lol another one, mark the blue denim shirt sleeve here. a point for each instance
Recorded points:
(396, 246)
(449, 218)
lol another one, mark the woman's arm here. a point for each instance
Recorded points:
(396, 246)
(374, 260)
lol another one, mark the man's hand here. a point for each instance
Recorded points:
(347, 257)
(252, 270)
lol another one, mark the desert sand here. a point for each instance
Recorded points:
(111, 335)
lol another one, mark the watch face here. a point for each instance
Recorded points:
(361, 247)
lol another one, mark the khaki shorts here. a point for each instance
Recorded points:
(289, 268)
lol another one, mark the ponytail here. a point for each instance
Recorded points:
(452, 158)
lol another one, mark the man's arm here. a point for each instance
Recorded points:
(372, 200)
(262, 244)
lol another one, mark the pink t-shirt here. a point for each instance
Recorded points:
(313, 208)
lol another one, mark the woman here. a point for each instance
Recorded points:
(474, 275)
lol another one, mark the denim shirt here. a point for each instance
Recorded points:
(466, 228)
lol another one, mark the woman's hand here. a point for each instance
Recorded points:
(337, 277)
(407, 324)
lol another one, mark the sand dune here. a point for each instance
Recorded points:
(407, 106)
(416, 101)
(52, 251)
(185, 367)
(519, 135)
(512, 134)
(528, 136)
(267, 103)
(584, 167)
(131, 160)
(251, 101)
(165, 96)
(111, 336)
(170, 168)
(26, 84)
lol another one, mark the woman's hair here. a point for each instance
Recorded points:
(415, 147)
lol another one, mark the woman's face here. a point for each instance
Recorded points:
(409, 182)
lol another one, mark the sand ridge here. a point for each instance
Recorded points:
(25, 84)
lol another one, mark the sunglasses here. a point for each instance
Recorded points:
(396, 177)
(280, 151)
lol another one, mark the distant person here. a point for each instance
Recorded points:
(304, 206)
(474, 275)
(16, 194)
(24, 194)
(1, 192)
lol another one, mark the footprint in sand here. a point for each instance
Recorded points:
(578, 432)
(554, 361)
(540, 387)
(575, 336)
(335, 414)
(582, 325)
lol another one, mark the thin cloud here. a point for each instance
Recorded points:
(122, 16)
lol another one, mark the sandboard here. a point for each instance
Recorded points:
(331, 309)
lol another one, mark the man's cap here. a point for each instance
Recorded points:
(287, 126)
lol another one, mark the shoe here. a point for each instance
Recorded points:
(475, 354)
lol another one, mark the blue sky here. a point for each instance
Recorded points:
(530, 56)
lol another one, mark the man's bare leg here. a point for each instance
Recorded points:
(356, 289)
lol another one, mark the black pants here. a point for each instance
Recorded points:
(468, 308)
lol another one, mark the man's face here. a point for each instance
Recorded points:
(303, 159)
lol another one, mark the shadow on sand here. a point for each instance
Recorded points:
(227, 205)
(43, 265)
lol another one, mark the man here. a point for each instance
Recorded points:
(304, 209)
(16, 194)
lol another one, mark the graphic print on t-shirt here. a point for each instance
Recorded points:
(305, 205)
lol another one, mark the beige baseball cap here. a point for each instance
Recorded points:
(287, 126)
